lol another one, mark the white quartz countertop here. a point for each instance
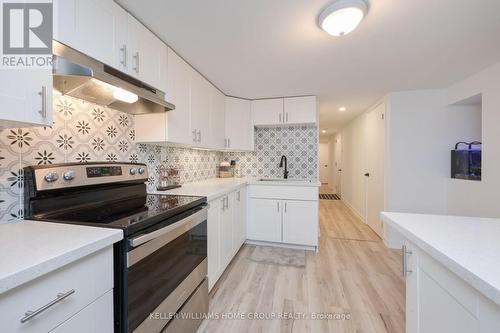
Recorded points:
(30, 249)
(467, 246)
(217, 187)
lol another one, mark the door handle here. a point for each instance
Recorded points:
(136, 57)
(59, 297)
(124, 59)
(404, 252)
(43, 94)
(367, 174)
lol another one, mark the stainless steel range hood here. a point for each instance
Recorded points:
(80, 76)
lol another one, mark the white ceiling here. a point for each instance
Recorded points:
(268, 48)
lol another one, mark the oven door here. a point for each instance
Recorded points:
(165, 267)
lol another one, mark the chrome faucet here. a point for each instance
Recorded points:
(285, 172)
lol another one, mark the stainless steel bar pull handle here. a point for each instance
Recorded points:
(194, 135)
(228, 143)
(43, 94)
(280, 117)
(278, 206)
(199, 136)
(404, 252)
(124, 59)
(286, 116)
(136, 57)
(31, 314)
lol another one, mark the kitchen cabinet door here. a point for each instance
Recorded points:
(267, 112)
(437, 300)
(264, 220)
(179, 93)
(217, 119)
(97, 28)
(239, 218)
(147, 55)
(226, 222)
(200, 109)
(26, 97)
(239, 128)
(213, 240)
(300, 222)
(300, 110)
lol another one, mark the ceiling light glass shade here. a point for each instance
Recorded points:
(342, 16)
(125, 96)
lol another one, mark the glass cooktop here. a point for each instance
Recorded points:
(131, 214)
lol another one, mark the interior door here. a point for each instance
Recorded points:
(338, 164)
(375, 167)
(324, 160)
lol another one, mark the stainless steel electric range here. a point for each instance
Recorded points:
(160, 266)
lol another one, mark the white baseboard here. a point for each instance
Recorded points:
(358, 215)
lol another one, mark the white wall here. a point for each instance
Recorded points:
(480, 198)
(422, 130)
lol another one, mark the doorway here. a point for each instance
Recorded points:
(324, 163)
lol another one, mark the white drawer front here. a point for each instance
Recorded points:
(283, 192)
(95, 318)
(89, 277)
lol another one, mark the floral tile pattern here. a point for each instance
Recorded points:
(84, 132)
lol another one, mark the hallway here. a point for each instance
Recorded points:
(354, 277)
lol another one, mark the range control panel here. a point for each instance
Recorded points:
(104, 171)
(73, 175)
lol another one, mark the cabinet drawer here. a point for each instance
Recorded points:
(95, 318)
(283, 192)
(89, 278)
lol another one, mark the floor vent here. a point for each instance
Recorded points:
(329, 197)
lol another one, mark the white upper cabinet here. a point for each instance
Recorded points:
(25, 97)
(285, 111)
(104, 31)
(147, 55)
(173, 126)
(217, 118)
(200, 109)
(300, 110)
(97, 28)
(239, 129)
(179, 93)
(267, 111)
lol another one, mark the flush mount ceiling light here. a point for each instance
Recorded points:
(342, 16)
(323, 131)
(342, 108)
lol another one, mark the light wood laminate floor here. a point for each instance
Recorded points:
(353, 273)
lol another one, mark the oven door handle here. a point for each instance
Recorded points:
(198, 217)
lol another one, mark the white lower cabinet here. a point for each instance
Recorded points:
(226, 232)
(264, 219)
(92, 319)
(297, 226)
(60, 297)
(283, 214)
(437, 300)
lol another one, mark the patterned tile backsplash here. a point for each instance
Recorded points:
(298, 143)
(85, 132)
